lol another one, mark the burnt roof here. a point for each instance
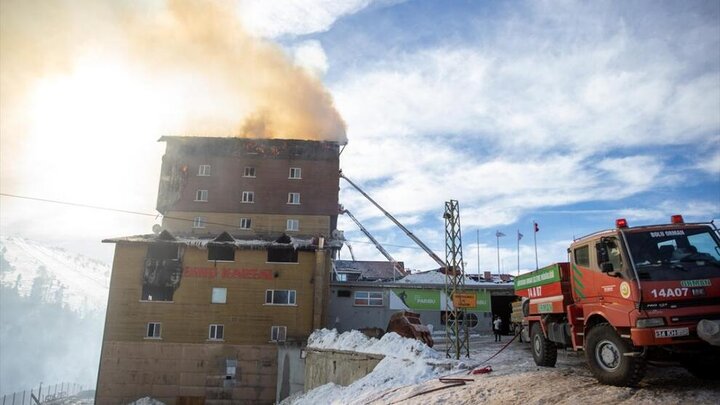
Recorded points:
(370, 270)
(252, 147)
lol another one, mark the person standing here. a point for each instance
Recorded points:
(497, 324)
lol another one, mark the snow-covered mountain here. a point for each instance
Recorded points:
(76, 281)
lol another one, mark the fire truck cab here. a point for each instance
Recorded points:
(630, 296)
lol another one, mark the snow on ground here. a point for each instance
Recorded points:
(402, 379)
(406, 362)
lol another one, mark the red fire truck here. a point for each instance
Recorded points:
(630, 296)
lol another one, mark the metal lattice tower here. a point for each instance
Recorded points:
(455, 318)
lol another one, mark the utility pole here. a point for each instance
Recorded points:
(456, 330)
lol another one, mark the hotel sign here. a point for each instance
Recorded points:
(213, 273)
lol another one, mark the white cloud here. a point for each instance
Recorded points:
(271, 19)
(311, 56)
(710, 163)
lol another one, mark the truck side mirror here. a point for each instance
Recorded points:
(602, 253)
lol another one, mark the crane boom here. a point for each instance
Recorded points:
(365, 231)
(415, 239)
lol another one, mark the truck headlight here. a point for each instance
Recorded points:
(650, 322)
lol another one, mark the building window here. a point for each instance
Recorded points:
(368, 299)
(219, 295)
(223, 253)
(161, 271)
(295, 173)
(293, 198)
(204, 170)
(153, 330)
(199, 222)
(293, 225)
(278, 333)
(582, 256)
(280, 297)
(282, 255)
(201, 195)
(216, 332)
(245, 223)
(248, 197)
(249, 172)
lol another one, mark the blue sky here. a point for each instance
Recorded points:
(568, 113)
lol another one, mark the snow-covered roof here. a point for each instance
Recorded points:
(369, 270)
(436, 277)
(240, 242)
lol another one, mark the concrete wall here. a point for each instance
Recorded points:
(339, 367)
(291, 371)
(167, 371)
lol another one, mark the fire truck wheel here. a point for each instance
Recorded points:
(543, 350)
(605, 353)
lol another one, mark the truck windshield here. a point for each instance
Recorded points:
(675, 254)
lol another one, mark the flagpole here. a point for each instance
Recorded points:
(497, 237)
(518, 250)
(535, 239)
(478, 251)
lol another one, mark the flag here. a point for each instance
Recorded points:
(520, 236)
(499, 234)
(537, 228)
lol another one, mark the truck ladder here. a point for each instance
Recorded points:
(415, 239)
(396, 267)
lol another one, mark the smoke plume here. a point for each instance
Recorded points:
(229, 82)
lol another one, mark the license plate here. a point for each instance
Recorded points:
(666, 333)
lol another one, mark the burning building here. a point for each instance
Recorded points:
(206, 309)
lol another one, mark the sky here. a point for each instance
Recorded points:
(567, 113)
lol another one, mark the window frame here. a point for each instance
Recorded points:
(295, 170)
(248, 197)
(292, 200)
(199, 222)
(217, 327)
(357, 301)
(204, 170)
(294, 221)
(157, 327)
(247, 226)
(249, 172)
(275, 333)
(201, 195)
(291, 298)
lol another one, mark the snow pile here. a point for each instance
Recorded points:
(406, 362)
(391, 344)
(146, 401)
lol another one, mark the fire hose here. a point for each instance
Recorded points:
(459, 381)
